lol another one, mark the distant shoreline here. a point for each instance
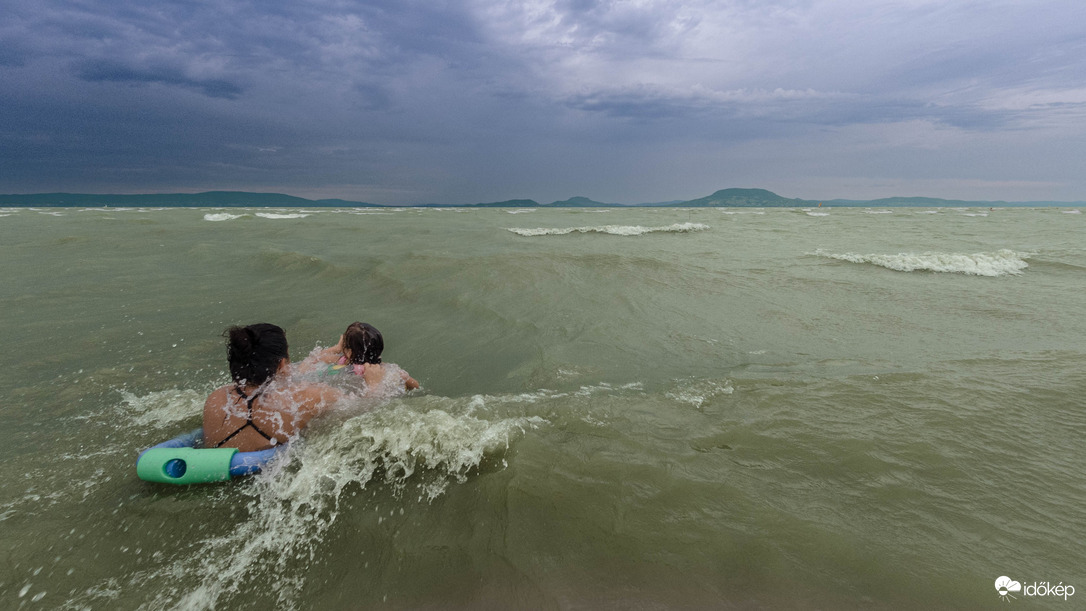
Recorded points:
(724, 198)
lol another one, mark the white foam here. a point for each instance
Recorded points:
(543, 394)
(818, 214)
(272, 215)
(297, 498)
(222, 216)
(1075, 211)
(623, 230)
(1000, 263)
(878, 211)
(162, 408)
(518, 211)
(700, 392)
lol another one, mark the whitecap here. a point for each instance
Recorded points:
(222, 216)
(1075, 211)
(999, 263)
(623, 230)
(272, 215)
(818, 214)
(698, 393)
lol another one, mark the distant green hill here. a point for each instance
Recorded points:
(580, 202)
(746, 198)
(513, 203)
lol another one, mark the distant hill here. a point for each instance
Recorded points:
(513, 203)
(746, 198)
(580, 202)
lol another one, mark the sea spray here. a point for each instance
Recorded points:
(298, 498)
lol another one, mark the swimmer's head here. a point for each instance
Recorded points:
(255, 352)
(362, 343)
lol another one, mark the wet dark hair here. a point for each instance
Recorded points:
(364, 342)
(254, 352)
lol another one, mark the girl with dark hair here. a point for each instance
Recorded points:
(359, 353)
(263, 407)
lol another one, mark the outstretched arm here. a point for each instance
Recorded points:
(408, 382)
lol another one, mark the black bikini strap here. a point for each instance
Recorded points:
(248, 417)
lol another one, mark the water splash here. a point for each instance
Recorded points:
(298, 498)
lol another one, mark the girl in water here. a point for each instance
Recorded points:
(263, 407)
(358, 355)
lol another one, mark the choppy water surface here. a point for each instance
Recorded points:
(654, 408)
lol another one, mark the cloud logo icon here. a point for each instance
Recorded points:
(1005, 585)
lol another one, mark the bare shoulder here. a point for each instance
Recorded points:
(216, 399)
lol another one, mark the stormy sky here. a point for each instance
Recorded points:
(410, 101)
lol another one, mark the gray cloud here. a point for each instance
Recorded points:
(114, 71)
(485, 100)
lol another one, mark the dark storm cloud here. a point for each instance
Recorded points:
(109, 70)
(483, 100)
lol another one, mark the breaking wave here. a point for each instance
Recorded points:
(624, 230)
(1000, 263)
(272, 215)
(222, 216)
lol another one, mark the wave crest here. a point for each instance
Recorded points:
(222, 216)
(1002, 262)
(623, 230)
(272, 215)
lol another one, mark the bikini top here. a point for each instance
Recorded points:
(248, 418)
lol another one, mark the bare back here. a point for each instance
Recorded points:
(253, 419)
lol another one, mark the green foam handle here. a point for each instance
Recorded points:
(185, 465)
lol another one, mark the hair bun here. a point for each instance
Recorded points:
(255, 351)
(241, 340)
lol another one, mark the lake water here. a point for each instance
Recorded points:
(621, 408)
